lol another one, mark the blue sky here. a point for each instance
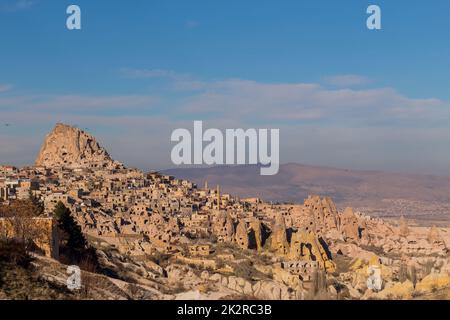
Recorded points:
(341, 95)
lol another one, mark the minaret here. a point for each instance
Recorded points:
(206, 185)
(219, 202)
(4, 192)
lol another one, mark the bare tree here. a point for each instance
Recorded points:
(19, 223)
(403, 273)
(413, 275)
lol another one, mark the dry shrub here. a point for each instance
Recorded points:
(14, 252)
(19, 215)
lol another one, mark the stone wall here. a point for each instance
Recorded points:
(42, 231)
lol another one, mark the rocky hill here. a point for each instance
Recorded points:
(70, 147)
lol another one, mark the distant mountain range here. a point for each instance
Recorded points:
(375, 192)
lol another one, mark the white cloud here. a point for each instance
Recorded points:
(255, 102)
(252, 103)
(356, 128)
(78, 103)
(92, 103)
(5, 87)
(17, 5)
(179, 81)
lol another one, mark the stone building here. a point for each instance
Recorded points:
(200, 250)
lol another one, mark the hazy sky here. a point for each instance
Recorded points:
(341, 95)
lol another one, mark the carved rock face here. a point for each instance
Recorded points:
(71, 147)
(256, 234)
(241, 237)
(279, 243)
(350, 225)
(223, 227)
(324, 212)
(306, 246)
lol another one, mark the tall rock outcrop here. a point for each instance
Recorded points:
(306, 246)
(278, 238)
(71, 147)
(241, 236)
(350, 225)
(223, 227)
(256, 234)
(324, 212)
